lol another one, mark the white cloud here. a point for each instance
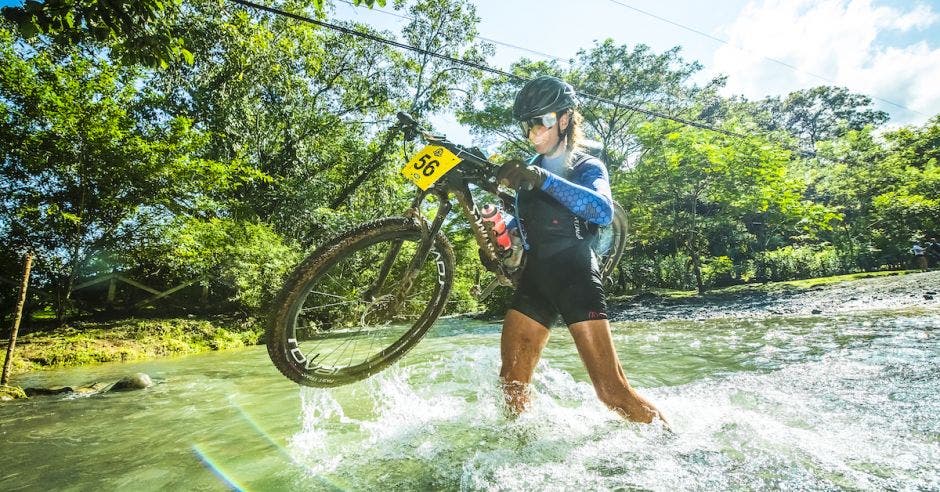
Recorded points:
(841, 41)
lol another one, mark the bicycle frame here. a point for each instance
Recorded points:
(456, 182)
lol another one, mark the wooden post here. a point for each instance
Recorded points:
(112, 290)
(16, 320)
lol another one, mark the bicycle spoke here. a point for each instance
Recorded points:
(355, 315)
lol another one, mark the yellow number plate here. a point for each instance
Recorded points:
(428, 165)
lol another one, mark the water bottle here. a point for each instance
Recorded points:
(491, 214)
(514, 259)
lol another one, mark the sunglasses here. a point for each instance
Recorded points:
(546, 120)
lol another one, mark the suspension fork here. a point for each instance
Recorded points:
(428, 233)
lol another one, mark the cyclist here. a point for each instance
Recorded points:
(563, 196)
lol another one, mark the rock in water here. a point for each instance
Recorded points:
(133, 382)
(8, 393)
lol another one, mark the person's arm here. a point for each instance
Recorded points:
(589, 199)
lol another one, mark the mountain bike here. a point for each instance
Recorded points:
(362, 300)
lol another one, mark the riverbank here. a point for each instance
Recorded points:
(127, 340)
(824, 296)
(81, 343)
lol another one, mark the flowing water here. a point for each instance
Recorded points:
(811, 403)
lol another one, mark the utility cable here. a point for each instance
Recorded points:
(484, 68)
(373, 37)
(478, 66)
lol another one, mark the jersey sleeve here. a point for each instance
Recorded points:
(588, 196)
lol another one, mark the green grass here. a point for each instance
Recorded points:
(127, 340)
(771, 286)
(835, 279)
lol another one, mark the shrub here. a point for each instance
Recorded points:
(249, 260)
(674, 272)
(718, 272)
(799, 262)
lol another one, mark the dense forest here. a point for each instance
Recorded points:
(204, 139)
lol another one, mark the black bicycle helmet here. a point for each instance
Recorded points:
(543, 95)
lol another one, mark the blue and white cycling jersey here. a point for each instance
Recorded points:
(571, 204)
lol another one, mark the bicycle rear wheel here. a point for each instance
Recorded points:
(346, 313)
(611, 242)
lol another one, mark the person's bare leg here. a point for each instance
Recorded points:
(521, 346)
(596, 347)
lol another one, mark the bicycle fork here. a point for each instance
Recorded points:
(428, 235)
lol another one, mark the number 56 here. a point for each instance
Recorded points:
(427, 164)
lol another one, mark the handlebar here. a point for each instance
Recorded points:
(484, 168)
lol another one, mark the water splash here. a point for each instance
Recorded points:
(815, 411)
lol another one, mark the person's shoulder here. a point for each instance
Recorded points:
(582, 162)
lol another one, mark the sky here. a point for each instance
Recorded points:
(887, 49)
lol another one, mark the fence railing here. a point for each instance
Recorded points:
(114, 278)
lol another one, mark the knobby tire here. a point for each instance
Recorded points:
(342, 319)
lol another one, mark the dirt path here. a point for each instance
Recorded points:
(893, 292)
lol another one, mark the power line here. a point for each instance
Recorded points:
(484, 68)
(774, 60)
(478, 66)
(373, 37)
(489, 40)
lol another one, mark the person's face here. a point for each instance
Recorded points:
(543, 132)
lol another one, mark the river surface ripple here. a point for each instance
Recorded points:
(810, 403)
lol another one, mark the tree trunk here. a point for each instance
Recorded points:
(697, 270)
(18, 315)
(375, 162)
(66, 300)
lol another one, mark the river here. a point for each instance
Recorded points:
(850, 401)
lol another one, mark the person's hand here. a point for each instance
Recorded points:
(517, 175)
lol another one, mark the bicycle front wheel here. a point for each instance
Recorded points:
(348, 311)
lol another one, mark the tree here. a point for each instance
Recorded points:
(78, 173)
(442, 28)
(820, 113)
(286, 98)
(694, 183)
(633, 78)
(140, 29)
(630, 77)
(908, 208)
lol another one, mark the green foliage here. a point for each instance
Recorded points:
(140, 31)
(674, 272)
(247, 259)
(798, 262)
(819, 114)
(139, 28)
(635, 76)
(262, 137)
(467, 275)
(693, 186)
(718, 272)
(129, 340)
(81, 174)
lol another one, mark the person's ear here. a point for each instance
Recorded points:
(563, 121)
